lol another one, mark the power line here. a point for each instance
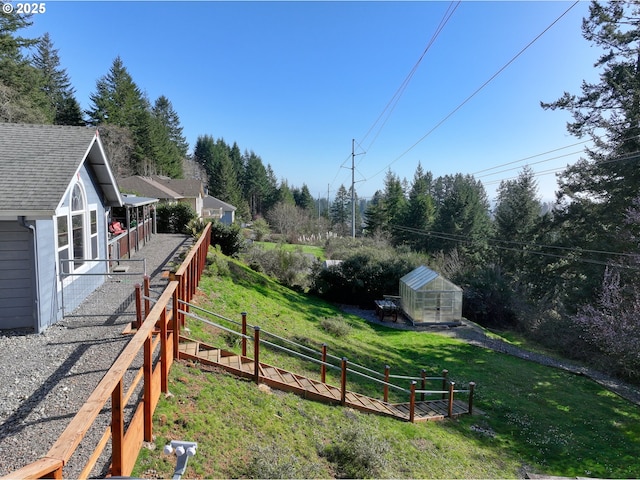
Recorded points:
(477, 90)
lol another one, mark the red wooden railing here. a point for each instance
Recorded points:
(158, 330)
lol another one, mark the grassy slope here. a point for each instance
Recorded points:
(540, 418)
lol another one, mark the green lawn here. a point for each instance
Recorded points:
(534, 418)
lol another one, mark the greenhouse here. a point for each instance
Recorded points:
(427, 298)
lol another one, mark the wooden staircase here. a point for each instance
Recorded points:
(313, 389)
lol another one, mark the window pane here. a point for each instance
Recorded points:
(63, 231)
(76, 199)
(77, 224)
(94, 222)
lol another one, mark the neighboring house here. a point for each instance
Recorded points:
(218, 210)
(56, 191)
(167, 190)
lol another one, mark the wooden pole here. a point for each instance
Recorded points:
(386, 383)
(412, 402)
(444, 382)
(323, 365)
(138, 306)
(148, 386)
(117, 430)
(423, 384)
(343, 382)
(256, 354)
(164, 353)
(175, 318)
(451, 388)
(147, 291)
(244, 334)
(472, 387)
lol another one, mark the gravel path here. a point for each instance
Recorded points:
(475, 335)
(47, 377)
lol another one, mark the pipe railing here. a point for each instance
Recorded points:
(345, 367)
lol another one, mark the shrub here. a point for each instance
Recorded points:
(174, 218)
(359, 451)
(336, 326)
(291, 268)
(228, 237)
(275, 460)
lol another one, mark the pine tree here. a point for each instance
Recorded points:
(340, 212)
(516, 218)
(596, 192)
(21, 95)
(56, 84)
(420, 211)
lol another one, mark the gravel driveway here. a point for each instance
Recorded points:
(47, 377)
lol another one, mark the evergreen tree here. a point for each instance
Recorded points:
(255, 184)
(596, 192)
(341, 212)
(516, 217)
(419, 213)
(303, 198)
(169, 119)
(463, 221)
(119, 101)
(21, 85)
(56, 84)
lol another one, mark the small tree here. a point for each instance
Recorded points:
(174, 218)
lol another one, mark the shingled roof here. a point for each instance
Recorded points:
(38, 162)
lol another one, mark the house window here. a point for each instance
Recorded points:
(78, 225)
(63, 241)
(94, 233)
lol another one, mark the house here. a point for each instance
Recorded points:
(216, 209)
(56, 192)
(167, 190)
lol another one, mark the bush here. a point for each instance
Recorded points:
(290, 268)
(337, 326)
(359, 451)
(277, 461)
(174, 218)
(228, 237)
(364, 276)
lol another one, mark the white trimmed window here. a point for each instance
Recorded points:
(77, 231)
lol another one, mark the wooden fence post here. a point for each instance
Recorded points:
(444, 382)
(148, 387)
(256, 354)
(147, 294)
(138, 306)
(175, 319)
(244, 334)
(117, 430)
(386, 383)
(424, 383)
(343, 382)
(412, 402)
(472, 387)
(164, 353)
(323, 365)
(451, 388)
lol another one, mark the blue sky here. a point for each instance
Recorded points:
(296, 81)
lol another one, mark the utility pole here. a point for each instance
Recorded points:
(353, 188)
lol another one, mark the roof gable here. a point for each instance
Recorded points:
(38, 162)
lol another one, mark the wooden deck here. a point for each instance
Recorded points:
(313, 389)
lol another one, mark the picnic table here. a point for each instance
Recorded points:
(387, 307)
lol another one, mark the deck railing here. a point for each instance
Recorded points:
(157, 341)
(341, 364)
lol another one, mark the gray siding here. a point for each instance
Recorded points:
(17, 278)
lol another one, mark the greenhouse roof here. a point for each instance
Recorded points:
(421, 276)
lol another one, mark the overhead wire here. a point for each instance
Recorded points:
(466, 100)
(388, 109)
